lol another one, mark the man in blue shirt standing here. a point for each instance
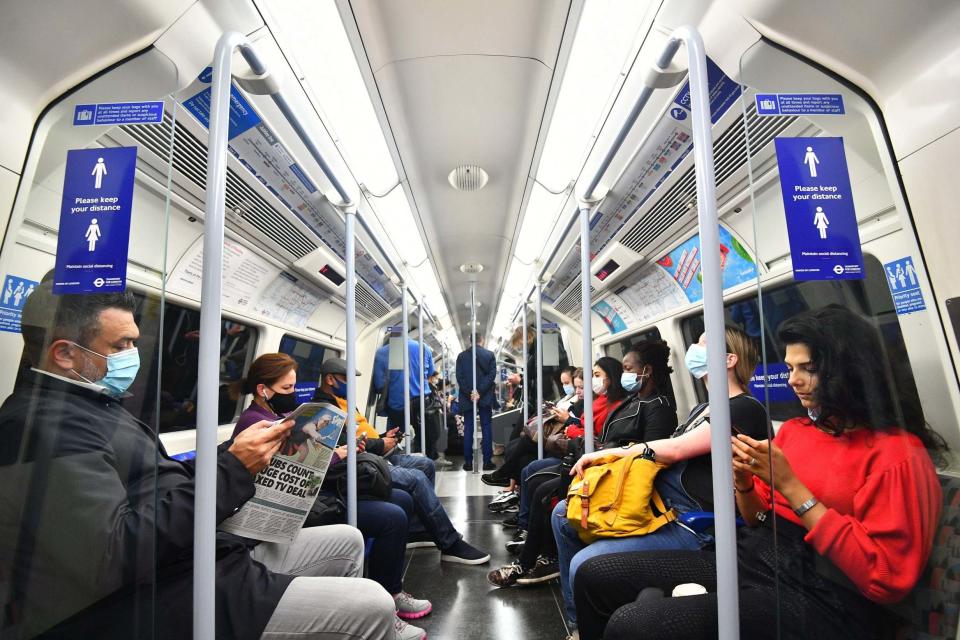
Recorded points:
(392, 379)
(483, 393)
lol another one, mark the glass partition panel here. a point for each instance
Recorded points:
(845, 533)
(83, 262)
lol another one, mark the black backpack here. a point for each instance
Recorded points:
(373, 478)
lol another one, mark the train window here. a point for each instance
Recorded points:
(178, 364)
(309, 356)
(869, 297)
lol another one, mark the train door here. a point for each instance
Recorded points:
(854, 371)
(83, 314)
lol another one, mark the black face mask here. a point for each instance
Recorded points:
(282, 403)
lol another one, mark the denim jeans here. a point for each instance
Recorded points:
(573, 552)
(523, 516)
(426, 505)
(486, 426)
(386, 523)
(421, 463)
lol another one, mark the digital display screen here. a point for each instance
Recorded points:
(607, 269)
(331, 275)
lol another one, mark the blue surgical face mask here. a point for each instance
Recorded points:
(122, 369)
(628, 380)
(696, 360)
(568, 389)
(340, 388)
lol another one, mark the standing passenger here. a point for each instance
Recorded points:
(482, 392)
(391, 381)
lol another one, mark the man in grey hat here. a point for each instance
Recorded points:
(432, 526)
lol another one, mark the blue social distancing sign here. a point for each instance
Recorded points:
(904, 286)
(94, 234)
(818, 203)
(14, 294)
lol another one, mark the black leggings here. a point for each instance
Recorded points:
(518, 454)
(540, 540)
(784, 587)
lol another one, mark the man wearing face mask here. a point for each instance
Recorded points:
(431, 525)
(99, 522)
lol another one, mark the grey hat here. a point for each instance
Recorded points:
(336, 366)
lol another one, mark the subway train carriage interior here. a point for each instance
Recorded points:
(533, 319)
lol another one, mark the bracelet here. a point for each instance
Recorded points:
(806, 506)
(739, 490)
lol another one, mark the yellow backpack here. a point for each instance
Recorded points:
(616, 499)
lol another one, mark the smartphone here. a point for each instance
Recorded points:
(735, 430)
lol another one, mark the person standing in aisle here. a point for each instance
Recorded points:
(391, 381)
(483, 393)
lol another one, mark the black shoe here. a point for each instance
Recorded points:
(467, 466)
(545, 569)
(515, 546)
(512, 522)
(463, 553)
(492, 480)
(503, 501)
(489, 466)
(419, 540)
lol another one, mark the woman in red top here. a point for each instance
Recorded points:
(854, 510)
(608, 393)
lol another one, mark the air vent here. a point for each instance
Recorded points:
(369, 304)
(190, 160)
(569, 303)
(468, 177)
(730, 153)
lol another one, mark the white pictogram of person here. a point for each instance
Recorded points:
(893, 278)
(821, 223)
(7, 292)
(901, 275)
(811, 160)
(99, 170)
(29, 291)
(912, 274)
(18, 294)
(92, 235)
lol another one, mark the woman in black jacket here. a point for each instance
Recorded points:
(645, 414)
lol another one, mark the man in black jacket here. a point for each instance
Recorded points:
(97, 521)
(481, 391)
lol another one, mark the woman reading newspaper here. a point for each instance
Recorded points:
(271, 380)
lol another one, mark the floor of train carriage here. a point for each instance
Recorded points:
(465, 605)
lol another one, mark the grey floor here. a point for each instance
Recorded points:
(465, 605)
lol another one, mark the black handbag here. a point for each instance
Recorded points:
(373, 478)
(381, 409)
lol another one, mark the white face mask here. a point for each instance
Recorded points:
(597, 386)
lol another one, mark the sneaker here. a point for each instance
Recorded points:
(511, 523)
(489, 466)
(491, 479)
(515, 546)
(545, 569)
(503, 500)
(406, 631)
(442, 463)
(463, 553)
(513, 508)
(505, 576)
(468, 466)
(420, 539)
(410, 608)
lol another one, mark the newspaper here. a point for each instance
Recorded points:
(288, 487)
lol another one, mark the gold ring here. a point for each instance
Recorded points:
(753, 462)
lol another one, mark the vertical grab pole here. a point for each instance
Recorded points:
(406, 372)
(526, 374)
(443, 398)
(586, 320)
(473, 364)
(205, 501)
(350, 219)
(423, 382)
(725, 530)
(539, 334)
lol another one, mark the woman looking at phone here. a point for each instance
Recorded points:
(851, 487)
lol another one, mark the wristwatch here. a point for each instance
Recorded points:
(806, 506)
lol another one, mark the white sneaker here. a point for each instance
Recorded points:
(410, 608)
(407, 631)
